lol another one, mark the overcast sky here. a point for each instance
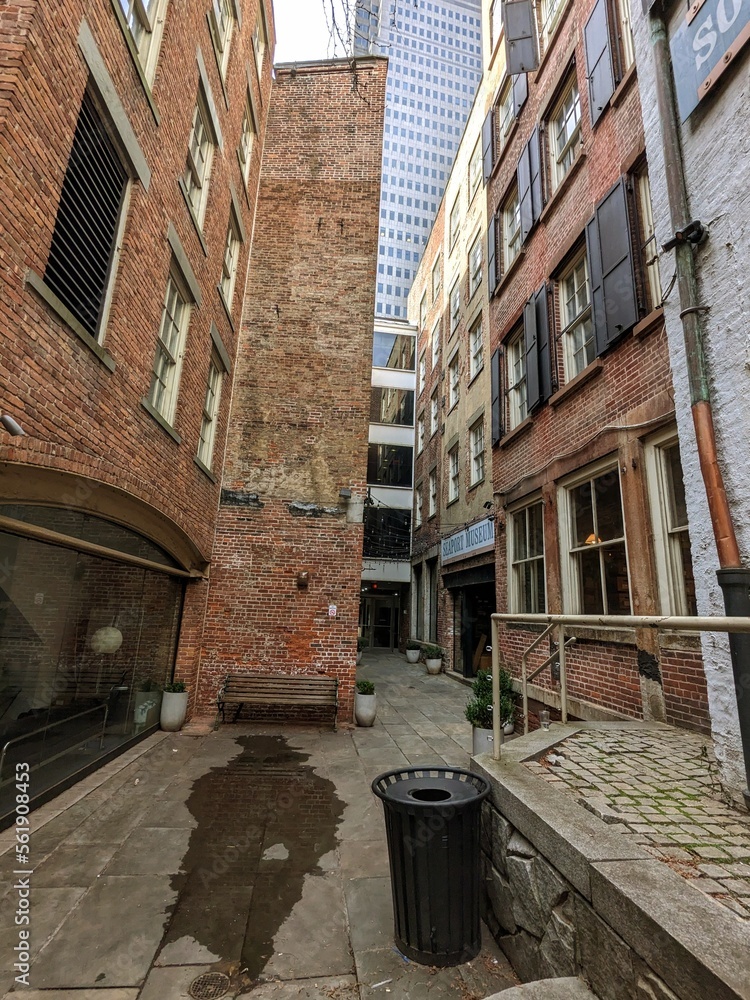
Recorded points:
(302, 32)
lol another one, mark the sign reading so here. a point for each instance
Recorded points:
(704, 45)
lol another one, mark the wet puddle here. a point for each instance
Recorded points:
(265, 821)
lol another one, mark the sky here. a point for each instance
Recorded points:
(302, 32)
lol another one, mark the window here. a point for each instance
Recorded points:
(649, 246)
(418, 507)
(392, 406)
(423, 311)
(231, 260)
(198, 166)
(475, 265)
(496, 22)
(210, 413)
(455, 305)
(422, 372)
(420, 434)
(436, 279)
(453, 475)
(475, 170)
(550, 14)
(433, 493)
(564, 133)
(393, 350)
(516, 368)
(453, 382)
(671, 537)
(476, 443)
(476, 349)
(627, 52)
(434, 413)
(145, 19)
(89, 220)
(597, 566)
(170, 349)
(505, 115)
(511, 228)
(454, 222)
(260, 38)
(247, 139)
(222, 23)
(389, 465)
(527, 578)
(436, 344)
(387, 533)
(575, 312)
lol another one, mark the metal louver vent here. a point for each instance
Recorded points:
(86, 224)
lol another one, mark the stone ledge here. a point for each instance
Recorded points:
(547, 989)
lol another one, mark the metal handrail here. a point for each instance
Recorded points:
(51, 725)
(558, 623)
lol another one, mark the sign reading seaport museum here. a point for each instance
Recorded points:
(704, 45)
(469, 541)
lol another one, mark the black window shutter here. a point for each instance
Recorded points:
(497, 396)
(533, 389)
(520, 93)
(599, 67)
(535, 171)
(543, 344)
(521, 53)
(488, 145)
(617, 309)
(594, 257)
(523, 177)
(492, 254)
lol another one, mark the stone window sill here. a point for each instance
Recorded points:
(623, 86)
(648, 324)
(164, 424)
(510, 271)
(571, 388)
(517, 431)
(224, 302)
(205, 469)
(563, 185)
(130, 44)
(193, 216)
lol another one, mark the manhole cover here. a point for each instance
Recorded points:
(209, 986)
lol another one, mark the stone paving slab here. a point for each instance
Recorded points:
(659, 787)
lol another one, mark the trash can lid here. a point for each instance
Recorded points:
(430, 786)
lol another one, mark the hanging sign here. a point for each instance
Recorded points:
(479, 537)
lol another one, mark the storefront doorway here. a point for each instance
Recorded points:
(474, 602)
(378, 620)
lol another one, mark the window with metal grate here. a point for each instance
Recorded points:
(87, 220)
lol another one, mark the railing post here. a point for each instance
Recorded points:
(563, 678)
(525, 694)
(496, 727)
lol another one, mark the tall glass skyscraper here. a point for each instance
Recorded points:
(435, 65)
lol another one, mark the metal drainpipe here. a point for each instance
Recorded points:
(734, 580)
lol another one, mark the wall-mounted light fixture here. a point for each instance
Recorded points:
(303, 580)
(345, 493)
(488, 504)
(11, 426)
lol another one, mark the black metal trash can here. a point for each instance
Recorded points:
(432, 820)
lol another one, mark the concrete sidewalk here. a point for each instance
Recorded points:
(256, 852)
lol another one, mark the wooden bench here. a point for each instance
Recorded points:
(295, 690)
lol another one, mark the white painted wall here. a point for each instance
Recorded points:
(716, 150)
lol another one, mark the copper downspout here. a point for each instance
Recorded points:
(718, 505)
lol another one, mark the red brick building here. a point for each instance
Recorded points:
(590, 511)
(284, 588)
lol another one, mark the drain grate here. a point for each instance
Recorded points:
(209, 986)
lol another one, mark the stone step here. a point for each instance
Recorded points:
(547, 989)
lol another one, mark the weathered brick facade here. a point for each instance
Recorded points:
(298, 433)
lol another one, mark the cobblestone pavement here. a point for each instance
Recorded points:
(661, 788)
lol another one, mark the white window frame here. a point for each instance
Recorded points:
(454, 381)
(455, 304)
(627, 49)
(454, 474)
(475, 169)
(515, 368)
(517, 563)
(432, 481)
(549, 17)
(422, 373)
(436, 276)
(475, 264)
(420, 434)
(579, 342)
(260, 38)
(210, 414)
(673, 598)
(511, 228)
(200, 156)
(170, 347)
(476, 348)
(504, 111)
(649, 247)
(454, 221)
(222, 25)
(435, 339)
(423, 310)
(564, 130)
(476, 452)
(230, 262)
(145, 21)
(247, 139)
(434, 413)
(418, 507)
(570, 576)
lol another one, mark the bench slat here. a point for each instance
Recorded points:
(294, 690)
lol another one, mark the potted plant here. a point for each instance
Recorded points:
(479, 713)
(365, 703)
(361, 647)
(433, 658)
(413, 649)
(173, 706)
(146, 704)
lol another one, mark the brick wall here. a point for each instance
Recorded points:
(301, 404)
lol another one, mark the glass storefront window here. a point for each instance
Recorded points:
(389, 465)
